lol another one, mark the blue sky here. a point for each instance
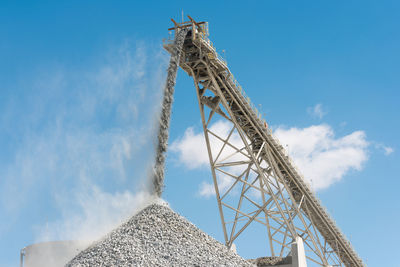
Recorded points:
(80, 86)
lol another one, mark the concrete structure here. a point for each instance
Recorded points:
(298, 254)
(296, 258)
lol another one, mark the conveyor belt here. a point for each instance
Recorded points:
(197, 48)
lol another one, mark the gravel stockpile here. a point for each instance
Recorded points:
(157, 236)
(271, 261)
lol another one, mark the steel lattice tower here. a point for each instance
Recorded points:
(255, 181)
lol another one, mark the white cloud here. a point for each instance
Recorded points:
(321, 157)
(191, 149)
(316, 111)
(387, 150)
(192, 153)
(206, 190)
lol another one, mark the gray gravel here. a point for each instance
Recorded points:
(157, 236)
(271, 261)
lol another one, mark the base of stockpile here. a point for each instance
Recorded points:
(272, 261)
(157, 236)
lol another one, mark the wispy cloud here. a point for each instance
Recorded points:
(317, 111)
(206, 189)
(100, 212)
(323, 158)
(387, 150)
(84, 150)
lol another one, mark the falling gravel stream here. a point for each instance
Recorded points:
(164, 119)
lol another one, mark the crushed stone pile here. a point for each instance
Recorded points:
(271, 261)
(157, 236)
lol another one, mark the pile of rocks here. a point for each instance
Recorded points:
(271, 261)
(157, 236)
